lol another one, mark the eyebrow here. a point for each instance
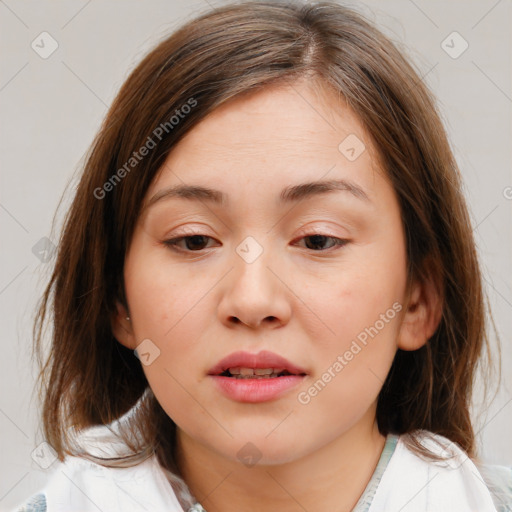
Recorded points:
(289, 194)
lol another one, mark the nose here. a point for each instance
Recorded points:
(255, 294)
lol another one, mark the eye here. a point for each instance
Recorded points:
(316, 240)
(193, 243)
(196, 243)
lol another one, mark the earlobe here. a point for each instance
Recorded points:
(422, 315)
(122, 328)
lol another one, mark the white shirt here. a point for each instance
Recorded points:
(409, 483)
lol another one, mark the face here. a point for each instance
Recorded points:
(318, 279)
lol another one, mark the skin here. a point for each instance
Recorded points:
(307, 304)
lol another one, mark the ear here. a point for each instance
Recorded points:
(122, 328)
(422, 315)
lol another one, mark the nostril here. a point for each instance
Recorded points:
(270, 319)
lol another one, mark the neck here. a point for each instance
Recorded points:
(332, 477)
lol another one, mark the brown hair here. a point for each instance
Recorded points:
(90, 379)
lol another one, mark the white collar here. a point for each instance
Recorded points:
(413, 484)
(409, 483)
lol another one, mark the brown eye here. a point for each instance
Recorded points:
(193, 243)
(196, 243)
(315, 242)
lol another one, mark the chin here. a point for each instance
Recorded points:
(253, 448)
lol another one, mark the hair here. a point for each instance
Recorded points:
(88, 378)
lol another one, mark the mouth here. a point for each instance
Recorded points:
(263, 365)
(262, 377)
(256, 373)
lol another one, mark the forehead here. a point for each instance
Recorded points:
(270, 139)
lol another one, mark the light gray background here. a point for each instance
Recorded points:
(51, 109)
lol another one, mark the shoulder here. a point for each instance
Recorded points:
(36, 503)
(79, 484)
(499, 481)
(447, 481)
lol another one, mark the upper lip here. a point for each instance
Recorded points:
(263, 359)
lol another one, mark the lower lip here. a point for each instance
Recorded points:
(256, 390)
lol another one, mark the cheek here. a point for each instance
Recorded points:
(354, 361)
(167, 309)
(165, 299)
(362, 306)
(371, 281)
(171, 317)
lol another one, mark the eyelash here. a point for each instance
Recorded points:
(172, 243)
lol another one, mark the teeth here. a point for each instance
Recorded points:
(271, 376)
(263, 371)
(254, 373)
